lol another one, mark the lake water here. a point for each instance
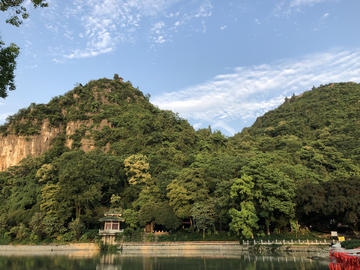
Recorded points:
(120, 261)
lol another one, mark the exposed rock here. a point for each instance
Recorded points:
(14, 148)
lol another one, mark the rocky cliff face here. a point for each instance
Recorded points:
(83, 117)
(14, 148)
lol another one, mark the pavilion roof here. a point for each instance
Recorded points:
(112, 218)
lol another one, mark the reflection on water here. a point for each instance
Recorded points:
(121, 261)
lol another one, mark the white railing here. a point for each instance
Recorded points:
(285, 242)
(110, 231)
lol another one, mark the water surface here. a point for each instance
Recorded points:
(140, 261)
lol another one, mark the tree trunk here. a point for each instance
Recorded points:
(203, 233)
(268, 229)
(191, 223)
(152, 225)
(77, 210)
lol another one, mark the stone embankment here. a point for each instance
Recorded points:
(218, 246)
(221, 249)
(82, 249)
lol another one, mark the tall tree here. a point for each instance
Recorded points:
(187, 189)
(274, 191)
(245, 219)
(9, 54)
(343, 202)
(7, 67)
(203, 215)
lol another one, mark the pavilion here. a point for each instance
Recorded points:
(112, 221)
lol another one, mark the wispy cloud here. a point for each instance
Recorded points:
(106, 23)
(3, 117)
(325, 16)
(161, 32)
(321, 22)
(249, 92)
(286, 8)
(296, 3)
(31, 67)
(198, 125)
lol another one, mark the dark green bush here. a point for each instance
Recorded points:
(150, 237)
(90, 235)
(163, 238)
(350, 244)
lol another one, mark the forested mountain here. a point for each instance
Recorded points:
(299, 162)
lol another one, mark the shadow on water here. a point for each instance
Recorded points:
(163, 261)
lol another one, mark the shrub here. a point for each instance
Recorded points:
(67, 237)
(163, 238)
(83, 238)
(89, 235)
(349, 244)
(5, 238)
(150, 237)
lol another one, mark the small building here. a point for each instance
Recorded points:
(112, 221)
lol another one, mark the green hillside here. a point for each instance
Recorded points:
(297, 163)
(329, 113)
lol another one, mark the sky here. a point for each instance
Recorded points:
(215, 62)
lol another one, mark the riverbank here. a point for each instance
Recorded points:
(170, 248)
(234, 246)
(78, 249)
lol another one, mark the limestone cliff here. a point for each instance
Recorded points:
(110, 115)
(14, 148)
(80, 116)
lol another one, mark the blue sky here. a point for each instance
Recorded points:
(220, 63)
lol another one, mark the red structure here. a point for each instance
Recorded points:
(344, 261)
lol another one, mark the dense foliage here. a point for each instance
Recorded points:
(350, 244)
(298, 164)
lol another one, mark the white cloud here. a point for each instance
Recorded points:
(204, 10)
(160, 33)
(223, 27)
(325, 16)
(249, 92)
(105, 23)
(321, 22)
(257, 21)
(31, 67)
(295, 3)
(286, 8)
(197, 125)
(3, 117)
(58, 61)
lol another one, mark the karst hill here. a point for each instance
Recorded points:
(317, 130)
(114, 116)
(105, 145)
(107, 114)
(329, 114)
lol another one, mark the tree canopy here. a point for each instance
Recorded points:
(297, 165)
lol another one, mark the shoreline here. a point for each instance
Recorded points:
(152, 248)
(76, 249)
(169, 249)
